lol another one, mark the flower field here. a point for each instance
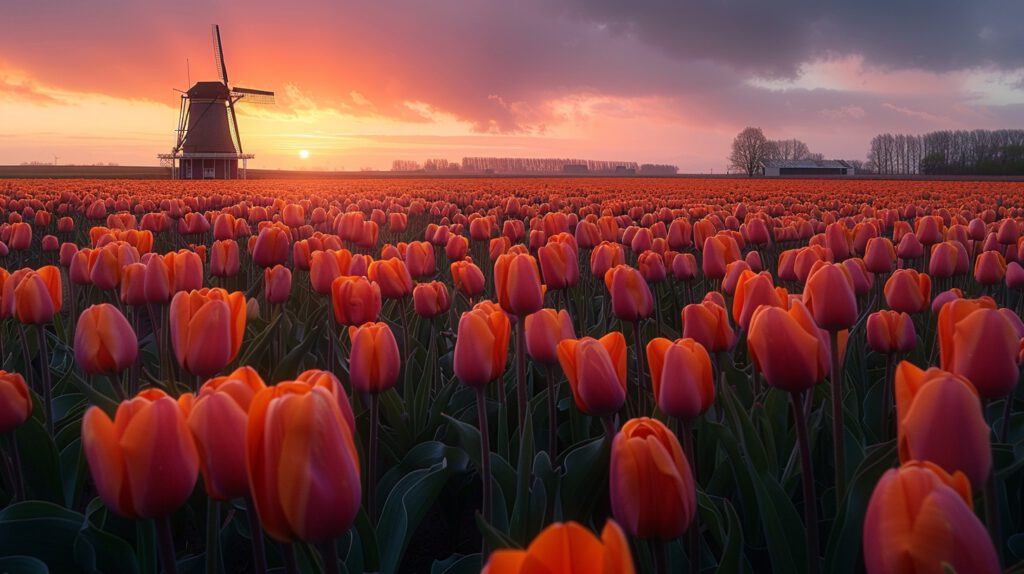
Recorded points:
(511, 375)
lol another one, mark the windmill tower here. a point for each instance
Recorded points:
(208, 145)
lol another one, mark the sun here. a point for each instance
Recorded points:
(304, 154)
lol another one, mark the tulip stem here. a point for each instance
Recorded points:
(890, 365)
(693, 533)
(1004, 433)
(212, 535)
(259, 558)
(609, 428)
(807, 478)
(165, 541)
(371, 475)
(44, 369)
(552, 414)
(992, 513)
(660, 551)
(485, 456)
(521, 369)
(329, 553)
(291, 565)
(837, 420)
(17, 483)
(639, 342)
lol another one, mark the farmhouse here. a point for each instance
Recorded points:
(784, 167)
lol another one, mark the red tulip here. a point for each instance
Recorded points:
(374, 361)
(681, 377)
(430, 299)
(631, 297)
(105, 342)
(908, 291)
(356, 300)
(544, 330)
(788, 347)
(481, 347)
(596, 370)
(891, 332)
(829, 297)
(567, 548)
(277, 283)
(15, 402)
(517, 284)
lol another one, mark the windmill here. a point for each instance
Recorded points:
(208, 144)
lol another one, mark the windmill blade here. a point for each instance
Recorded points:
(218, 55)
(252, 96)
(234, 124)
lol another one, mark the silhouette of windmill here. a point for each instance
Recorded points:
(208, 144)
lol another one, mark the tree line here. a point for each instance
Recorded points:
(751, 148)
(949, 152)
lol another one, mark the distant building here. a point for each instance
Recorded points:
(787, 167)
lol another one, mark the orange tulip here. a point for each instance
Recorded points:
(374, 361)
(631, 296)
(908, 291)
(392, 276)
(481, 347)
(890, 332)
(157, 279)
(430, 299)
(517, 284)
(596, 370)
(567, 548)
(989, 268)
(419, 258)
(829, 297)
(326, 266)
(879, 255)
(302, 463)
(939, 419)
(15, 401)
(144, 462)
(752, 291)
(544, 330)
(980, 343)
(467, 278)
(919, 519)
(38, 295)
(605, 256)
(681, 377)
(207, 327)
(271, 247)
(105, 342)
(651, 486)
(789, 348)
(356, 300)
(558, 264)
(708, 324)
(184, 270)
(217, 419)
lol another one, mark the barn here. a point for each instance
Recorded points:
(788, 167)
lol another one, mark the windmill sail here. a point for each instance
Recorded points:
(218, 55)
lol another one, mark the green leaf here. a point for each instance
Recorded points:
(524, 476)
(288, 368)
(732, 553)
(457, 564)
(23, 565)
(255, 346)
(584, 478)
(493, 537)
(40, 462)
(411, 498)
(42, 530)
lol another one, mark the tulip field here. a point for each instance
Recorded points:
(511, 376)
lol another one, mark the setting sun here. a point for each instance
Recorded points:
(304, 154)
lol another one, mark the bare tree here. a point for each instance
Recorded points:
(749, 149)
(791, 149)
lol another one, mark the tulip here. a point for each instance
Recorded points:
(38, 296)
(393, 278)
(708, 324)
(567, 548)
(481, 350)
(374, 362)
(980, 343)
(630, 295)
(605, 256)
(105, 342)
(793, 353)
(652, 489)
(517, 284)
(419, 257)
(207, 327)
(277, 284)
(467, 278)
(302, 463)
(544, 330)
(891, 332)
(356, 300)
(752, 291)
(430, 299)
(271, 247)
(217, 418)
(919, 519)
(15, 401)
(184, 271)
(558, 264)
(596, 370)
(908, 291)
(681, 377)
(326, 266)
(879, 255)
(939, 419)
(829, 297)
(224, 259)
(144, 463)
(989, 268)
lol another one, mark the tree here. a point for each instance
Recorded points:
(749, 149)
(791, 149)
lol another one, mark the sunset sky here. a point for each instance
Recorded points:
(362, 83)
